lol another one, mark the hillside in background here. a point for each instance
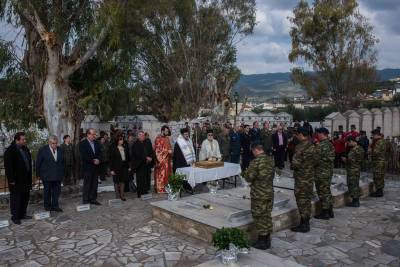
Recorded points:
(271, 85)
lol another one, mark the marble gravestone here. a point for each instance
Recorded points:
(353, 118)
(377, 118)
(387, 122)
(396, 121)
(366, 119)
(333, 121)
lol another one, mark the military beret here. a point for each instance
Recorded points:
(304, 131)
(376, 131)
(322, 130)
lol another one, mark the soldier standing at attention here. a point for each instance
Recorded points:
(353, 168)
(303, 173)
(266, 137)
(378, 150)
(325, 157)
(260, 175)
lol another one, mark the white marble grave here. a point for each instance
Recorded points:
(377, 118)
(387, 122)
(396, 121)
(366, 120)
(353, 118)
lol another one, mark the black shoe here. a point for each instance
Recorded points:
(324, 215)
(303, 227)
(331, 215)
(377, 193)
(57, 209)
(260, 243)
(123, 199)
(26, 217)
(47, 209)
(355, 203)
(16, 221)
(95, 203)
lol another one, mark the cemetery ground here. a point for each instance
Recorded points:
(126, 235)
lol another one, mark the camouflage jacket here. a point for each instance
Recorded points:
(325, 156)
(303, 162)
(266, 139)
(260, 175)
(224, 145)
(379, 151)
(354, 159)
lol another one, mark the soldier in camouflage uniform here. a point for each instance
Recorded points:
(266, 137)
(353, 168)
(303, 172)
(325, 157)
(224, 141)
(260, 175)
(378, 156)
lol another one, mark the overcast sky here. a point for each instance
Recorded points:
(267, 49)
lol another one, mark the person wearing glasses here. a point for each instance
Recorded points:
(210, 148)
(50, 169)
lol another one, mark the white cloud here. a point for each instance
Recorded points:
(267, 49)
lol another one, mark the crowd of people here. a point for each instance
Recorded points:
(261, 151)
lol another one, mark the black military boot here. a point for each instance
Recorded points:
(331, 215)
(377, 193)
(303, 227)
(354, 203)
(324, 215)
(261, 243)
(268, 241)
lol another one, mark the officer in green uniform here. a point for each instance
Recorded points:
(378, 156)
(266, 137)
(325, 156)
(260, 175)
(303, 172)
(224, 142)
(353, 168)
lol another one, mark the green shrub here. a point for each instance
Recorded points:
(223, 237)
(176, 181)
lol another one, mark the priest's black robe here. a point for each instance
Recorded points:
(178, 160)
(140, 151)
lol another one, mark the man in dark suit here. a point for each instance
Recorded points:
(279, 144)
(90, 154)
(18, 167)
(50, 169)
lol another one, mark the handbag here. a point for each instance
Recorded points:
(132, 186)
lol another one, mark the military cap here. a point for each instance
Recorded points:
(304, 131)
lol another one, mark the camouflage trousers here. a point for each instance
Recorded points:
(303, 191)
(261, 209)
(379, 170)
(353, 183)
(323, 185)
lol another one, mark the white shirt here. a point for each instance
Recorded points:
(122, 152)
(54, 153)
(209, 150)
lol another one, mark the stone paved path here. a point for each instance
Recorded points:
(103, 236)
(127, 236)
(365, 236)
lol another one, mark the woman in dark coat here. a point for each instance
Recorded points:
(119, 166)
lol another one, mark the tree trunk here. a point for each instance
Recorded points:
(56, 108)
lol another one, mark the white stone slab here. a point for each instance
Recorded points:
(115, 202)
(41, 215)
(147, 196)
(84, 207)
(256, 258)
(4, 223)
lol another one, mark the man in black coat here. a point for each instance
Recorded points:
(279, 144)
(245, 143)
(18, 167)
(50, 169)
(90, 154)
(142, 162)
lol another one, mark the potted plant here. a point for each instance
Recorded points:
(175, 185)
(229, 243)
